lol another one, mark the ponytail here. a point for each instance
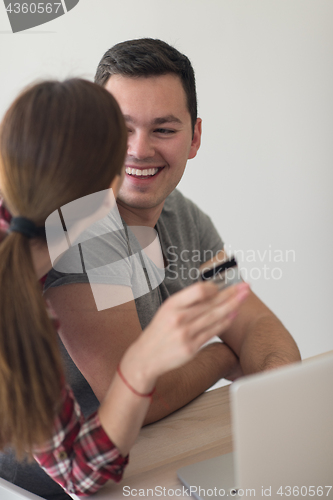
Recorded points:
(59, 141)
(30, 364)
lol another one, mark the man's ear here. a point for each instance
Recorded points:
(196, 140)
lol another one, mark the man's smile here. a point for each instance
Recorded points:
(143, 173)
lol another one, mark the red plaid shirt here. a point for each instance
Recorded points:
(80, 456)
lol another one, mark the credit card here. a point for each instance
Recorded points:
(223, 274)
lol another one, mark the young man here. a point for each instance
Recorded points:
(155, 87)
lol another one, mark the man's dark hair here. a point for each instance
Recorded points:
(149, 57)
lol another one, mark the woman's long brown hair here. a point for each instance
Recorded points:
(59, 141)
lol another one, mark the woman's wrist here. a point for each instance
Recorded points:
(136, 371)
(131, 388)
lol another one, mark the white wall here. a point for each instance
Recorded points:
(264, 172)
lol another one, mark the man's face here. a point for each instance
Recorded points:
(159, 137)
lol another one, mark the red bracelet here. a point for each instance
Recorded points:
(148, 395)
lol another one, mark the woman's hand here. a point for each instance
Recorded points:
(181, 326)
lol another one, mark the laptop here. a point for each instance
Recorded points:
(9, 491)
(282, 423)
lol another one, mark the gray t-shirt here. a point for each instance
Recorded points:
(188, 239)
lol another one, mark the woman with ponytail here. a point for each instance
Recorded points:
(61, 141)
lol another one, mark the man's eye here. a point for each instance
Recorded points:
(165, 131)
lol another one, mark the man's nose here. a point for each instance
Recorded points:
(140, 146)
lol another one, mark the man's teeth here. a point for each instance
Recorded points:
(141, 173)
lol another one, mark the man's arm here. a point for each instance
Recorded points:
(97, 340)
(258, 337)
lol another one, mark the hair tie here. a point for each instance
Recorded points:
(26, 227)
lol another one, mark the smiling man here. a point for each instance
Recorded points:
(155, 87)
(160, 141)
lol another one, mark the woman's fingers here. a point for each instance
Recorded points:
(197, 310)
(213, 331)
(215, 319)
(192, 295)
(191, 331)
(185, 323)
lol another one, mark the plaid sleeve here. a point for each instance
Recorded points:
(79, 456)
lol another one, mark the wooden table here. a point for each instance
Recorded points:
(199, 431)
(196, 432)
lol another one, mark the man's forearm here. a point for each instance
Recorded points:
(267, 345)
(179, 387)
